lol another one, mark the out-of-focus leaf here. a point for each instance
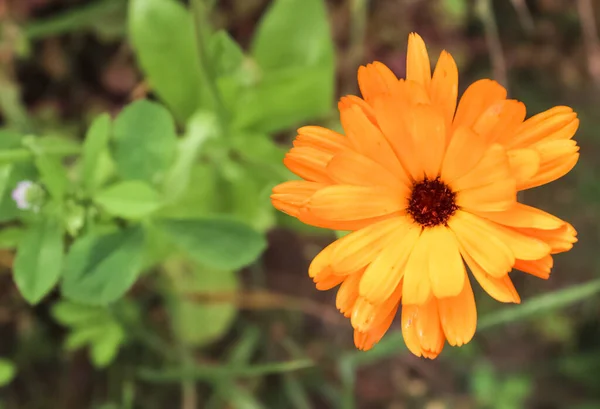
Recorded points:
(162, 34)
(200, 128)
(226, 54)
(93, 326)
(216, 242)
(53, 145)
(294, 33)
(96, 142)
(10, 237)
(145, 141)
(131, 199)
(7, 371)
(197, 322)
(260, 149)
(39, 259)
(285, 98)
(101, 268)
(53, 175)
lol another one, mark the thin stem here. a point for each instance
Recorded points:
(590, 37)
(358, 23)
(486, 14)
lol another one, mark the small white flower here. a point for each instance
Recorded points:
(19, 194)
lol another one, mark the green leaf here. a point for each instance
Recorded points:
(52, 145)
(53, 174)
(96, 142)
(145, 141)
(198, 322)
(101, 268)
(7, 371)
(76, 314)
(131, 199)
(294, 33)
(39, 259)
(285, 98)
(105, 348)
(5, 178)
(10, 237)
(162, 34)
(201, 127)
(226, 54)
(217, 243)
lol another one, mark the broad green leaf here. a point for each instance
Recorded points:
(226, 54)
(294, 33)
(145, 141)
(7, 371)
(10, 237)
(201, 127)
(39, 259)
(105, 348)
(131, 199)
(162, 34)
(53, 174)
(157, 247)
(197, 322)
(201, 199)
(52, 145)
(5, 179)
(285, 98)
(96, 142)
(217, 243)
(101, 268)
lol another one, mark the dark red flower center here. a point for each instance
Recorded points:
(431, 202)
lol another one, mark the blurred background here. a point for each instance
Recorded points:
(262, 336)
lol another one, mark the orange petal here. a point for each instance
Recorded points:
(500, 288)
(464, 152)
(348, 293)
(495, 197)
(557, 124)
(477, 98)
(417, 285)
(365, 340)
(446, 268)
(346, 102)
(308, 163)
(500, 120)
(426, 126)
(367, 139)
(493, 167)
(444, 87)
(290, 196)
(551, 171)
(321, 138)
(422, 330)
(524, 164)
(540, 268)
(383, 275)
(521, 215)
(360, 248)
(375, 79)
(478, 241)
(458, 316)
(418, 67)
(355, 169)
(346, 202)
(523, 246)
(327, 279)
(559, 240)
(322, 261)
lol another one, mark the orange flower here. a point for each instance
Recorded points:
(425, 187)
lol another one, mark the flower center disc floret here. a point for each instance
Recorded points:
(432, 202)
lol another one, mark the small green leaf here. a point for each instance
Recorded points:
(52, 145)
(294, 33)
(145, 141)
(217, 243)
(200, 128)
(7, 371)
(170, 62)
(96, 142)
(39, 259)
(196, 322)
(131, 199)
(101, 268)
(53, 174)
(76, 314)
(105, 348)
(227, 55)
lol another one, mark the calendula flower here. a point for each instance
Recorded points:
(426, 187)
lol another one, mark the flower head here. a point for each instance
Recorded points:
(427, 188)
(28, 196)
